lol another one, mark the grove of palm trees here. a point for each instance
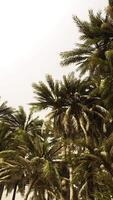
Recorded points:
(67, 155)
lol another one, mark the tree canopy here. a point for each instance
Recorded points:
(68, 155)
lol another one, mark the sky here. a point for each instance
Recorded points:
(32, 35)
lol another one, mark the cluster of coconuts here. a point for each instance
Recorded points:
(64, 184)
(109, 54)
(109, 11)
(106, 25)
(98, 52)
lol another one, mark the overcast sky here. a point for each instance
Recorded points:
(32, 34)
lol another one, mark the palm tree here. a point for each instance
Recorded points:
(76, 114)
(42, 153)
(30, 158)
(5, 138)
(72, 108)
(17, 125)
(12, 172)
(5, 134)
(94, 55)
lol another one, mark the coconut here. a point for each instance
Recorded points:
(99, 53)
(109, 54)
(105, 26)
(109, 11)
(63, 183)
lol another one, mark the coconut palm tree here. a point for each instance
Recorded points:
(42, 153)
(72, 107)
(76, 114)
(94, 55)
(30, 158)
(5, 134)
(18, 125)
(5, 138)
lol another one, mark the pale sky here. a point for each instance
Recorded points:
(32, 34)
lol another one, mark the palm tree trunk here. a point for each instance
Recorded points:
(42, 195)
(90, 192)
(62, 198)
(90, 185)
(46, 195)
(29, 188)
(1, 190)
(71, 183)
(14, 191)
(36, 197)
(82, 188)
